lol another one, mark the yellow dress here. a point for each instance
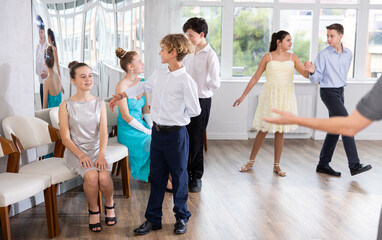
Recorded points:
(278, 92)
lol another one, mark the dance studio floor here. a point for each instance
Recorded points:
(233, 205)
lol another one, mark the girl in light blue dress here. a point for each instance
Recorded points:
(134, 122)
(52, 96)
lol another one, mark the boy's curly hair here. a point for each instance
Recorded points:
(178, 43)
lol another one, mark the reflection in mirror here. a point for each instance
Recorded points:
(86, 31)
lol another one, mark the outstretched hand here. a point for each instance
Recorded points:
(283, 119)
(114, 102)
(238, 101)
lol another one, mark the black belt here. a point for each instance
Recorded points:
(166, 129)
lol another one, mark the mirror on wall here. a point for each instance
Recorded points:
(85, 31)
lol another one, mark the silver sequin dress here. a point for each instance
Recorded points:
(84, 120)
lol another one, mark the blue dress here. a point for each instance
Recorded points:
(136, 141)
(54, 101)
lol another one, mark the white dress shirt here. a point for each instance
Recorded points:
(204, 69)
(40, 66)
(174, 96)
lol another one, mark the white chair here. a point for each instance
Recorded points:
(15, 187)
(116, 152)
(53, 116)
(30, 132)
(43, 114)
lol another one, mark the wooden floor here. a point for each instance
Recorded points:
(233, 205)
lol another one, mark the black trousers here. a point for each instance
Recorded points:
(196, 130)
(42, 94)
(168, 154)
(333, 99)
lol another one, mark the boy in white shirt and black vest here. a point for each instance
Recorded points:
(174, 101)
(203, 66)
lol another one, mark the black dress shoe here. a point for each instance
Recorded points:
(327, 170)
(146, 227)
(359, 169)
(180, 226)
(196, 185)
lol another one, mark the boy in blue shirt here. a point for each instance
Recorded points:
(330, 71)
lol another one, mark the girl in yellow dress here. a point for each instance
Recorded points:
(278, 92)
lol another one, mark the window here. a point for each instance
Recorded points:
(348, 19)
(127, 30)
(213, 16)
(299, 24)
(251, 35)
(247, 25)
(374, 49)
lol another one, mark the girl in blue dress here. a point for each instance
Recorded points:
(134, 121)
(52, 84)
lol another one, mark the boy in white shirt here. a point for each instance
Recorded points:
(203, 66)
(41, 70)
(174, 101)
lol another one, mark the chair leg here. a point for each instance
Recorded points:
(125, 176)
(100, 202)
(49, 211)
(118, 168)
(113, 168)
(54, 209)
(205, 140)
(4, 220)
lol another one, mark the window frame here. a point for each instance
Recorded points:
(359, 54)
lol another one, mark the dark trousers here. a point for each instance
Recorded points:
(333, 99)
(196, 130)
(42, 94)
(169, 153)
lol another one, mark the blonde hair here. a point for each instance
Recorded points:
(178, 43)
(125, 57)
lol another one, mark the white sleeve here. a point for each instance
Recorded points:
(137, 125)
(141, 87)
(213, 72)
(191, 99)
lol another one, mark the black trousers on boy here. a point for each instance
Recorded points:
(168, 154)
(333, 99)
(196, 129)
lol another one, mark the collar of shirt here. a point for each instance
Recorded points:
(344, 49)
(205, 49)
(177, 72)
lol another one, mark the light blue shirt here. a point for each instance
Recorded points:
(331, 68)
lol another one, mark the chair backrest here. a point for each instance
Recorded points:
(31, 131)
(53, 114)
(43, 114)
(7, 147)
(111, 115)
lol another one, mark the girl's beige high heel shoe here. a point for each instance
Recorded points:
(279, 172)
(248, 165)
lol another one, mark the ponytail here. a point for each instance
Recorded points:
(280, 35)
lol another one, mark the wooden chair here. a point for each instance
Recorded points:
(31, 132)
(15, 187)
